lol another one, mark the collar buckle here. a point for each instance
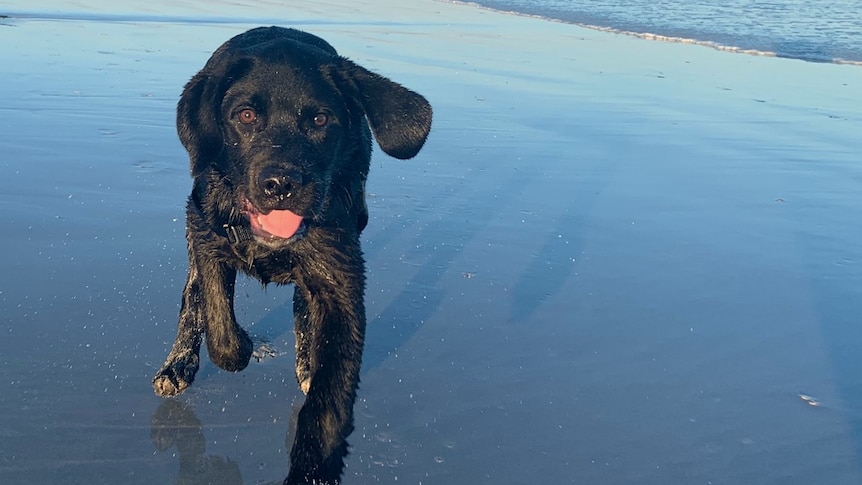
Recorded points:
(237, 234)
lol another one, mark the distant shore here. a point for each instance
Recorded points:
(668, 38)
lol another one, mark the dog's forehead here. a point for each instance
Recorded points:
(289, 52)
(277, 65)
(285, 83)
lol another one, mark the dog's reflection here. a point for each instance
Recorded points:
(175, 425)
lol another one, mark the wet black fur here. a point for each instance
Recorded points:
(287, 77)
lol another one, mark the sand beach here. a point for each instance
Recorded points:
(616, 260)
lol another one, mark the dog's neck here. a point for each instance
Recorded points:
(235, 234)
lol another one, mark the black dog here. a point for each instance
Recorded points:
(277, 129)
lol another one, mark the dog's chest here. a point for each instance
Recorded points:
(269, 266)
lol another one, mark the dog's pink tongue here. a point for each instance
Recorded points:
(280, 223)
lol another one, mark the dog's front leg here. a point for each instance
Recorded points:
(207, 308)
(228, 345)
(335, 322)
(303, 333)
(178, 371)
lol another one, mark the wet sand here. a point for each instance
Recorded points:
(616, 261)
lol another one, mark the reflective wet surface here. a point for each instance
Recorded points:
(599, 270)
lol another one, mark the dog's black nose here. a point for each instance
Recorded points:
(278, 182)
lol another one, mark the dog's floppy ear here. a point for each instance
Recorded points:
(399, 118)
(197, 122)
(198, 111)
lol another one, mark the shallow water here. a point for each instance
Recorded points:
(821, 31)
(635, 292)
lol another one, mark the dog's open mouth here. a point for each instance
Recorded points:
(275, 224)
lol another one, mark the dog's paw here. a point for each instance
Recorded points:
(230, 351)
(303, 378)
(176, 375)
(303, 370)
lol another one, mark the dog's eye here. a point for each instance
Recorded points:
(247, 116)
(321, 119)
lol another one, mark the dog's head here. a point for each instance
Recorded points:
(283, 120)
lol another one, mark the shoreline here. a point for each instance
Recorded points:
(664, 38)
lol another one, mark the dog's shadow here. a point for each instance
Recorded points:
(174, 424)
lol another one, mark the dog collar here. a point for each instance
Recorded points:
(235, 235)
